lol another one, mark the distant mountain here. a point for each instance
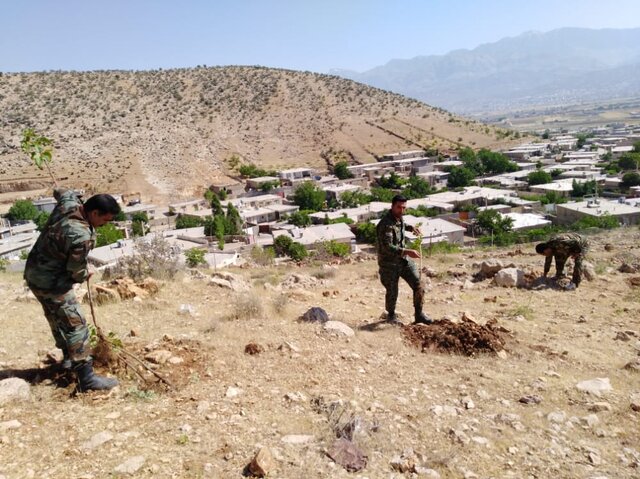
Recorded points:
(562, 66)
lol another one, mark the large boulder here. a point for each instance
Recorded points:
(490, 267)
(509, 278)
(230, 281)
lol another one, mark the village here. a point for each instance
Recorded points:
(560, 180)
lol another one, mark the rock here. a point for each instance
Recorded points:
(348, 455)
(130, 466)
(160, 356)
(557, 417)
(467, 402)
(339, 328)
(426, 472)
(530, 399)
(509, 278)
(467, 316)
(459, 436)
(608, 247)
(590, 420)
(627, 268)
(230, 281)
(482, 441)
(187, 310)
(589, 271)
(14, 389)
(296, 281)
(253, 348)
(315, 315)
(175, 360)
(635, 403)
(263, 463)
(97, 440)
(444, 410)
(288, 346)
(600, 407)
(502, 354)
(233, 392)
(596, 386)
(622, 336)
(7, 425)
(490, 267)
(633, 365)
(297, 439)
(594, 458)
(465, 286)
(295, 397)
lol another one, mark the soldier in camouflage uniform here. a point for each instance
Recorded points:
(393, 262)
(56, 262)
(561, 247)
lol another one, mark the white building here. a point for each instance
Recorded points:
(571, 212)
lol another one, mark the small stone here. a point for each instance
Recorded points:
(113, 415)
(233, 392)
(426, 472)
(557, 417)
(600, 407)
(131, 465)
(467, 316)
(467, 402)
(590, 420)
(7, 425)
(159, 356)
(263, 463)
(483, 441)
(97, 440)
(594, 458)
(175, 360)
(596, 386)
(633, 365)
(339, 328)
(502, 354)
(530, 399)
(297, 439)
(348, 455)
(635, 404)
(295, 397)
(288, 346)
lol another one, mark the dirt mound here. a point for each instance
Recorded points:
(179, 361)
(466, 338)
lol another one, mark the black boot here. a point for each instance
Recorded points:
(66, 360)
(89, 381)
(422, 318)
(393, 319)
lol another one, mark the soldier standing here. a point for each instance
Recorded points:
(394, 260)
(562, 247)
(56, 262)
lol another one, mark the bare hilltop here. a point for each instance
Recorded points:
(174, 132)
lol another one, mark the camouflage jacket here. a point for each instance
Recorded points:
(59, 257)
(565, 245)
(390, 240)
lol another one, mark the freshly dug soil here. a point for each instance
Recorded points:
(466, 338)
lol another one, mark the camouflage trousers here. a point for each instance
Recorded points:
(390, 277)
(67, 323)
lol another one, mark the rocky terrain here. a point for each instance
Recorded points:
(173, 132)
(554, 393)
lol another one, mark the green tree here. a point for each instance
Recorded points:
(22, 210)
(308, 196)
(138, 222)
(491, 221)
(471, 161)
(216, 206)
(336, 249)
(539, 177)
(381, 194)
(630, 179)
(391, 182)
(208, 195)
(545, 135)
(107, 234)
(39, 150)
(194, 257)
(353, 199)
(417, 188)
(219, 229)
(629, 161)
(496, 163)
(636, 147)
(341, 170)
(459, 176)
(282, 244)
(300, 219)
(233, 221)
(583, 189)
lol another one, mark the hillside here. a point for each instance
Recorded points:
(172, 132)
(515, 415)
(560, 67)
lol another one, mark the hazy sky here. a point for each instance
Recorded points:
(315, 35)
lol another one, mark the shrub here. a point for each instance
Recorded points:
(336, 249)
(22, 210)
(297, 252)
(152, 257)
(300, 219)
(195, 257)
(263, 256)
(246, 306)
(603, 222)
(630, 179)
(282, 244)
(341, 170)
(366, 233)
(107, 234)
(184, 222)
(539, 177)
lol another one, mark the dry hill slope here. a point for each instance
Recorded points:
(171, 132)
(460, 416)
